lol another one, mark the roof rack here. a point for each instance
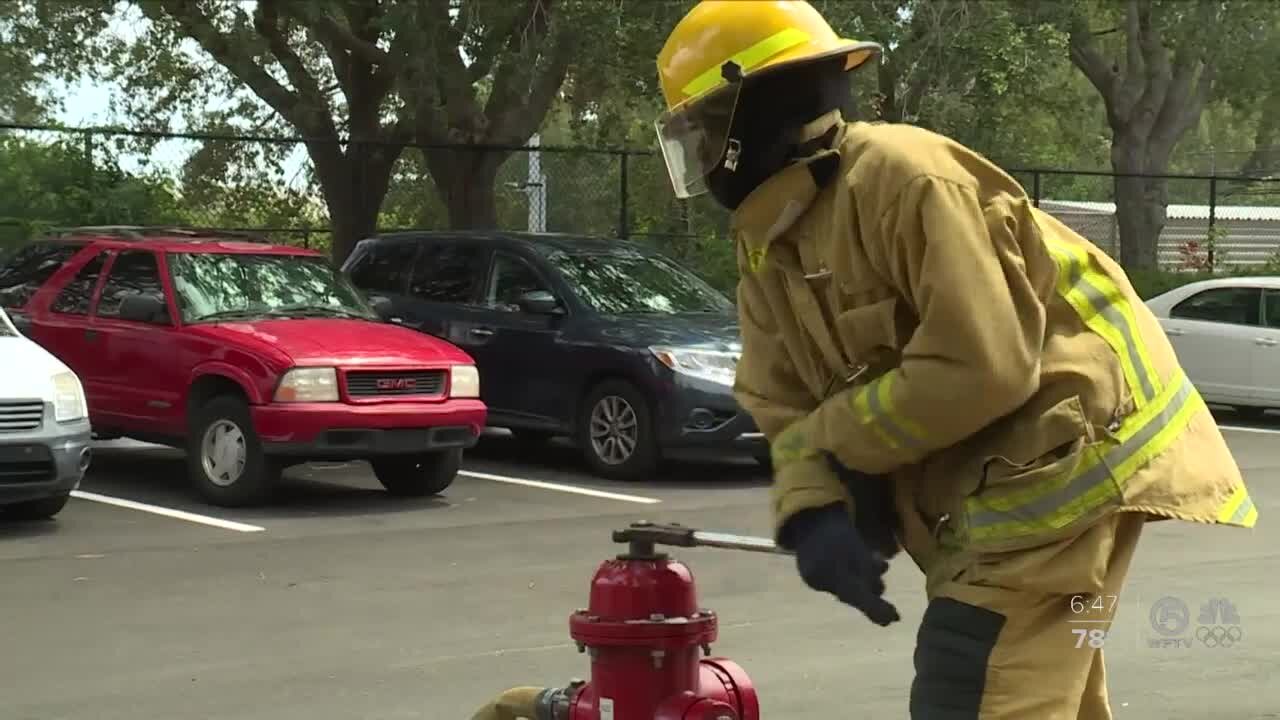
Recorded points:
(141, 233)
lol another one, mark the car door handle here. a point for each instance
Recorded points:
(90, 335)
(1267, 342)
(1175, 332)
(481, 332)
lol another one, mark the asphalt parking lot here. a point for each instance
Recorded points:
(341, 603)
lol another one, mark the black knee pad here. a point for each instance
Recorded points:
(952, 650)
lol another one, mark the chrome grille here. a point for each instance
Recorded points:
(20, 415)
(371, 383)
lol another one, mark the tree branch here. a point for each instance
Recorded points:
(1157, 78)
(345, 39)
(545, 88)
(1084, 54)
(1182, 112)
(267, 21)
(514, 77)
(235, 54)
(1170, 120)
(1133, 78)
(493, 39)
(456, 89)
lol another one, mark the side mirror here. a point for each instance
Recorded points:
(145, 309)
(382, 306)
(540, 302)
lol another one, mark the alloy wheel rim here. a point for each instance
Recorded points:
(223, 453)
(615, 430)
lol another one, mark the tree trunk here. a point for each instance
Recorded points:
(467, 183)
(354, 184)
(1140, 201)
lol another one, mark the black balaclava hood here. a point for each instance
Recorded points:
(771, 111)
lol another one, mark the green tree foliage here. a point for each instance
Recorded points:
(40, 41)
(1156, 65)
(1151, 85)
(56, 184)
(360, 80)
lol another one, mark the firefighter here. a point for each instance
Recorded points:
(939, 367)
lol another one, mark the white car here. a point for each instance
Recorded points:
(1226, 333)
(44, 428)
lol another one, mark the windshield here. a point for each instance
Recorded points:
(239, 286)
(627, 283)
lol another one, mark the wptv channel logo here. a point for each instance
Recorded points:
(1216, 626)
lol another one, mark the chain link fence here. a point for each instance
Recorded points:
(287, 189)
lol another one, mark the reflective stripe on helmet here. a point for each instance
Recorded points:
(1105, 311)
(746, 59)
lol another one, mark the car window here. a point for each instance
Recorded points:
(1237, 306)
(448, 272)
(511, 278)
(240, 286)
(384, 267)
(74, 299)
(1273, 308)
(135, 272)
(22, 274)
(632, 282)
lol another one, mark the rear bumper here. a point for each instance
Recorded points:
(338, 431)
(45, 462)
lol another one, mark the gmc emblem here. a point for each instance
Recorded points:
(397, 383)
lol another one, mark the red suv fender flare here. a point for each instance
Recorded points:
(229, 372)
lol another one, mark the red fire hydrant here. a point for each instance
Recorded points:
(650, 642)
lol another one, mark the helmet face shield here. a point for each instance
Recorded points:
(694, 137)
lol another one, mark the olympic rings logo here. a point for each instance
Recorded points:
(1219, 636)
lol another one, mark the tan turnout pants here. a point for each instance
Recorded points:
(1004, 640)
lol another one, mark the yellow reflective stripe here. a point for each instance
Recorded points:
(791, 445)
(867, 417)
(1105, 310)
(1098, 476)
(1239, 509)
(746, 59)
(874, 406)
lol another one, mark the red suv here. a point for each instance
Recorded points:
(252, 357)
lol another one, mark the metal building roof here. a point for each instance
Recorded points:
(1173, 212)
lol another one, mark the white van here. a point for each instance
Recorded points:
(44, 428)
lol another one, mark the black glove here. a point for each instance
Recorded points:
(832, 557)
(875, 516)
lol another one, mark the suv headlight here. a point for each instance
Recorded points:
(308, 385)
(464, 381)
(68, 398)
(717, 366)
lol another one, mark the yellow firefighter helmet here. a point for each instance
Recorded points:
(739, 39)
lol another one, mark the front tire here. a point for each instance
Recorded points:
(616, 433)
(225, 460)
(418, 475)
(41, 509)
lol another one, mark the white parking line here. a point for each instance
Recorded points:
(1239, 428)
(167, 512)
(561, 488)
